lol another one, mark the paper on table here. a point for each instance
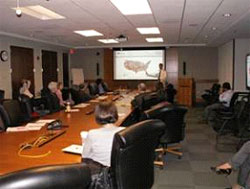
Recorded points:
(73, 110)
(45, 120)
(102, 97)
(121, 114)
(82, 105)
(22, 128)
(94, 100)
(37, 124)
(17, 129)
(74, 148)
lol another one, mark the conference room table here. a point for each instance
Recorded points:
(75, 122)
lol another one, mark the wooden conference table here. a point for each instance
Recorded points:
(77, 121)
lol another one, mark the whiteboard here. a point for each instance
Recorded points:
(77, 76)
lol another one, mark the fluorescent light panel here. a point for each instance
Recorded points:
(132, 7)
(151, 30)
(156, 39)
(88, 33)
(108, 41)
(40, 12)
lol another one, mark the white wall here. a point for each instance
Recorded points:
(242, 47)
(225, 65)
(201, 64)
(87, 60)
(5, 75)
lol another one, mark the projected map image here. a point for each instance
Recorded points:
(137, 64)
(248, 71)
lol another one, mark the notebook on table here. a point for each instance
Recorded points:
(74, 149)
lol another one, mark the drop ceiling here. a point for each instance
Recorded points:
(181, 22)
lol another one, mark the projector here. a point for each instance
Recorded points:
(121, 38)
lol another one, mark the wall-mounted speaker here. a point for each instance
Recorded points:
(184, 68)
(97, 69)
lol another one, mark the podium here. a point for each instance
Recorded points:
(186, 91)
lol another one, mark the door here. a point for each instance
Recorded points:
(49, 65)
(22, 64)
(65, 69)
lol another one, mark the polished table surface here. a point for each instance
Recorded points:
(76, 121)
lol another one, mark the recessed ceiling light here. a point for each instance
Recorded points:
(227, 14)
(214, 28)
(88, 33)
(107, 41)
(152, 30)
(156, 39)
(132, 7)
(40, 12)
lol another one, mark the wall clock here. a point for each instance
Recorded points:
(4, 55)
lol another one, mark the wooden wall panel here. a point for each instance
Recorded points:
(22, 64)
(49, 64)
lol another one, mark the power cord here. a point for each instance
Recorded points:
(35, 144)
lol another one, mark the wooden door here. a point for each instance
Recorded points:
(65, 69)
(22, 64)
(49, 65)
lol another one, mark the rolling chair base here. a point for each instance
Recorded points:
(162, 151)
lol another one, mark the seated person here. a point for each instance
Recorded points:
(80, 93)
(241, 161)
(84, 92)
(59, 94)
(224, 102)
(160, 92)
(138, 100)
(171, 92)
(54, 100)
(102, 87)
(98, 144)
(24, 89)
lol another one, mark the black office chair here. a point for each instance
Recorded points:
(93, 89)
(1, 95)
(52, 102)
(4, 119)
(49, 177)
(132, 158)
(14, 111)
(173, 116)
(211, 96)
(26, 106)
(231, 124)
(150, 100)
(79, 96)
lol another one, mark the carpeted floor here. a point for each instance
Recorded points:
(192, 171)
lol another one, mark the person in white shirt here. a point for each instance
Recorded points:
(162, 75)
(24, 90)
(98, 144)
(224, 101)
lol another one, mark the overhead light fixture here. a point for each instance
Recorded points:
(149, 30)
(227, 14)
(214, 28)
(88, 33)
(39, 12)
(132, 7)
(106, 41)
(121, 38)
(156, 39)
(18, 10)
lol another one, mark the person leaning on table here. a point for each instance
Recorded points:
(98, 144)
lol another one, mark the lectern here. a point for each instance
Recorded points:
(186, 91)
